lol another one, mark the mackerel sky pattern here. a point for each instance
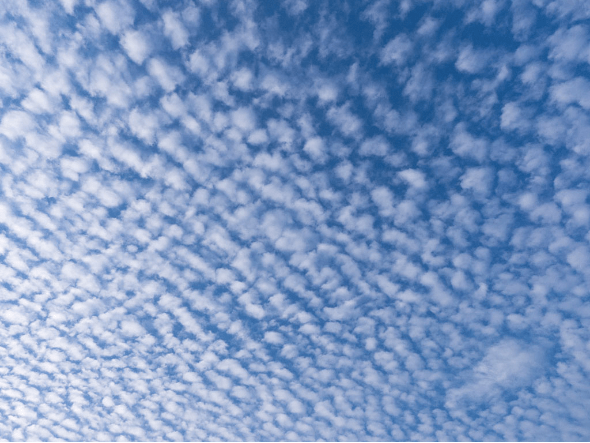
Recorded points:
(294, 220)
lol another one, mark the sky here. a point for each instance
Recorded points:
(294, 220)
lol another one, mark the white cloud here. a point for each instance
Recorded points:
(295, 7)
(137, 45)
(242, 79)
(471, 61)
(69, 125)
(228, 228)
(258, 137)
(466, 145)
(513, 117)
(16, 124)
(375, 146)
(569, 43)
(579, 259)
(131, 328)
(477, 179)
(175, 30)
(14, 316)
(167, 76)
(143, 126)
(383, 198)
(315, 148)
(37, 102)
(414, 178)
(69, 5)
(576, 90)
(244, 119)
(397, 50)
(348, 123)
(115, 16)
(486, 13)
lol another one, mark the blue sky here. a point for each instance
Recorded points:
(294, 220)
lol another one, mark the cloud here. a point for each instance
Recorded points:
(414, 178)
(471, 61)
(348, 123)
(507, 365)
(576, 90)
(514, 117)
(477, 179)
(69, 5)
(244, 119)
(136, 45)
(115, 16)
(397, 50)
(167, 76)
(16, 124)
(256, 221)
(375, 146)
(37, 102)
(175, 30)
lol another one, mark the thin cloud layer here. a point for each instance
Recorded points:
(294, 220)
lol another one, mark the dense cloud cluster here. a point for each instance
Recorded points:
(294, 220)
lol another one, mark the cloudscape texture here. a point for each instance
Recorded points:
(294, 220)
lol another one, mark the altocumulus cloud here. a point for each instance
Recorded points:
(294, 220)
